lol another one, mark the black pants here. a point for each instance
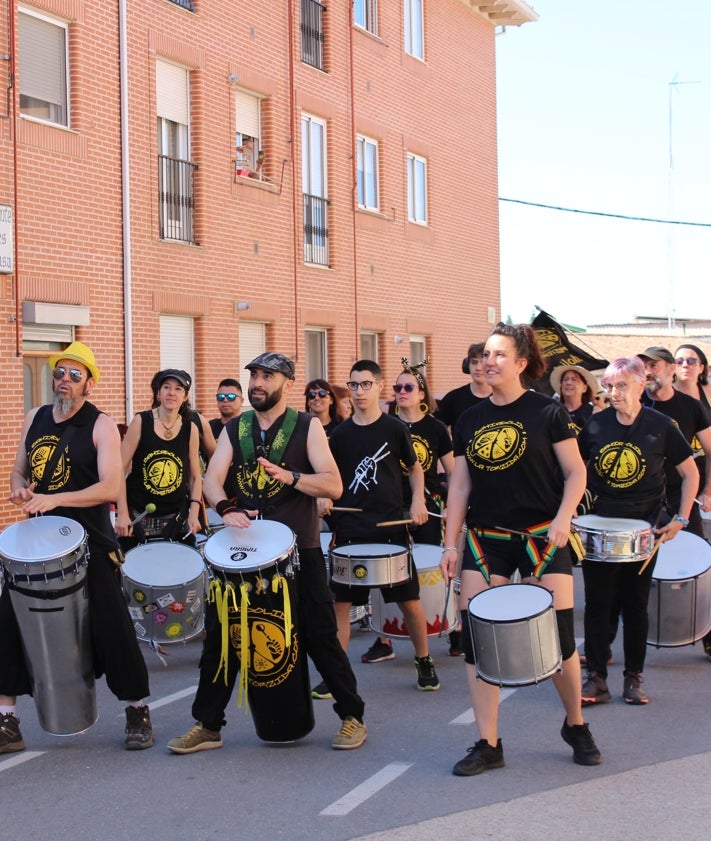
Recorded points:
(115, 648)
(317, 625)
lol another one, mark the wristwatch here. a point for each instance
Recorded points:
(297, 476)
(681, 520)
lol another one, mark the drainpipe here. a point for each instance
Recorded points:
(294, 193)
(12, 101)
(354, 177)
(126, 213)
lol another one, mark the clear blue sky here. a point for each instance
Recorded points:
(583, 119)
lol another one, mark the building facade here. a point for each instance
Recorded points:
(189, 182)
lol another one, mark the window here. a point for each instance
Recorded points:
(367, 173)
(177, 344)
(416, 189)
(252, 342)
(176, 171)
(369, 345)
(185, 4)
(313, 175)
(249, 156)
(414, 29)
(316, 358)
(43, 61)
(365, 15)
(417, 349)
(312, 36)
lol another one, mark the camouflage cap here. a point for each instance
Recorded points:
(272, 361)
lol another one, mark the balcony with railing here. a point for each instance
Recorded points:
(316, 230)
(176, 183)
(312, 36)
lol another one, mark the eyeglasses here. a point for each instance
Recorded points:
(601, 397)
(75, 375)
(408, 387)
(609, 387)
(231, 397)
(321, 392)
(689, 360)
(366, 385)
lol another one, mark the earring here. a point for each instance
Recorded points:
(424, 408)
(397, 410)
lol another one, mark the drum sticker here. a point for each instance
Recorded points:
(196, 607)
(271, 662)
(177, 607)
(175, 629)
(140, 629)
(139, 596)
(136, 613)
(160, 618)
(360, 572)
(166, 600)
(191, 596)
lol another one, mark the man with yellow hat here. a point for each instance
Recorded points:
(79, 483)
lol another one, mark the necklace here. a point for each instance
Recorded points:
(168, 429)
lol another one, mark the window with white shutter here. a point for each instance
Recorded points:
(43, 63)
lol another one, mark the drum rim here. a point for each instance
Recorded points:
(527, 617)
(254, 567)
(56, 520)
(402, 550)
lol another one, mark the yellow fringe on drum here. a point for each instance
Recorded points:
(280, 581)
(221, 598)
(243, 647)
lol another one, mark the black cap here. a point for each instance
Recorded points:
(272, 361)
(175, 374)
(657, 353)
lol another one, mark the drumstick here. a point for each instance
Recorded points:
(337, 508)
(395, 523)
(149, 509)
(520, 533)
(657, 543)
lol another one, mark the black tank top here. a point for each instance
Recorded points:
(75, 470)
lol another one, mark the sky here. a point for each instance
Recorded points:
(591, 99)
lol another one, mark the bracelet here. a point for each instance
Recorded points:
(681, 520)
(449, 549)
(225, 506)
(196, 501)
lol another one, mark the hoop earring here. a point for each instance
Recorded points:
(397, 410)
(424, 408)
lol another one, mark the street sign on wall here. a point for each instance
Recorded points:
(6, 240)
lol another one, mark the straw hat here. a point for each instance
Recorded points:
(79, 352)
(588, 378)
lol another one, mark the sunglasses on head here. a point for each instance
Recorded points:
(232, 396)
(75, 375)
(408, 387)
(321, 392)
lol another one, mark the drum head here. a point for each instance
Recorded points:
(41, 539)
(162, 564)
(368, 550)
(426, 555)
(510, 602)
(261, 544)
(591, 522)
(686, 556)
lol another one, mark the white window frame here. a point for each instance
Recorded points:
(369, 345)
(52, 76)
(314, 175)
(316, 353)
(252, 343)
(365, 15)
(414, 20)
(248, 127)
(367, 172)
(177, 344)
(416, 189)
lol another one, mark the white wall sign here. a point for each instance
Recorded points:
(6, 240)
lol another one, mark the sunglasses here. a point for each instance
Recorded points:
(75, 375)
(407, 387)
(231, 397)
(690, 360)
(321, 392)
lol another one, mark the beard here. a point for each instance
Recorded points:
(653, 385)
(264, 402)
(66, 405)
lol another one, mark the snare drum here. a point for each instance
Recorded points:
(515, 634)
(370, 564)
(614, 539)
(254, 580)
(165, 584)
(387, 619)
(357, 611)
(44, 561)
(680, 592)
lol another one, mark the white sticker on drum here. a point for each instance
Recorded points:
(165, 600)
(136, 613)
(140, 630)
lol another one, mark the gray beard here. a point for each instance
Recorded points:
(63, 405)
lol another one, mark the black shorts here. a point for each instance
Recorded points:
(504, 557)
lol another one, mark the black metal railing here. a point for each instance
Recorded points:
(177, 198)
(312, 36)
(185, 4)
(316, 230)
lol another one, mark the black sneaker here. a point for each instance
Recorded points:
(377, 652)
(481, 757)
(321, 692)
(10, 737)
(426, 675)
(632, 691)
(578, 736)
(139, 732)
(706, 642)
(594, 690)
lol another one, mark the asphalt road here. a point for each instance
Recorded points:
(659, 756)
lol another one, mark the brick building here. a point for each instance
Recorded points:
(193, 181)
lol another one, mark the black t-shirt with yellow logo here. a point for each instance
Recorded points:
(626, 464)
(515, 476)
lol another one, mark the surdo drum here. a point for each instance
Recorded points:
(44, 562)
(614, 539)
(515, 634)
(255, 596)
(387, 619)
(370, 564)
(680, 592)
(166, 585)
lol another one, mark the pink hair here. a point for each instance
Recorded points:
(631, 366)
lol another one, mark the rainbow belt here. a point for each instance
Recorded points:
(540, 560)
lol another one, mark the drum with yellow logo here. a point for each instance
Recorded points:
(256, 599)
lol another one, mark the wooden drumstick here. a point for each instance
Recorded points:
(395, 523)
(344, 508)
(657, 543)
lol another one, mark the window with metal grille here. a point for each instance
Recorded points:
(312, 34)
(313, 169)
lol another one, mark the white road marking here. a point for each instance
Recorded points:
(25, 756)
(367, 789)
